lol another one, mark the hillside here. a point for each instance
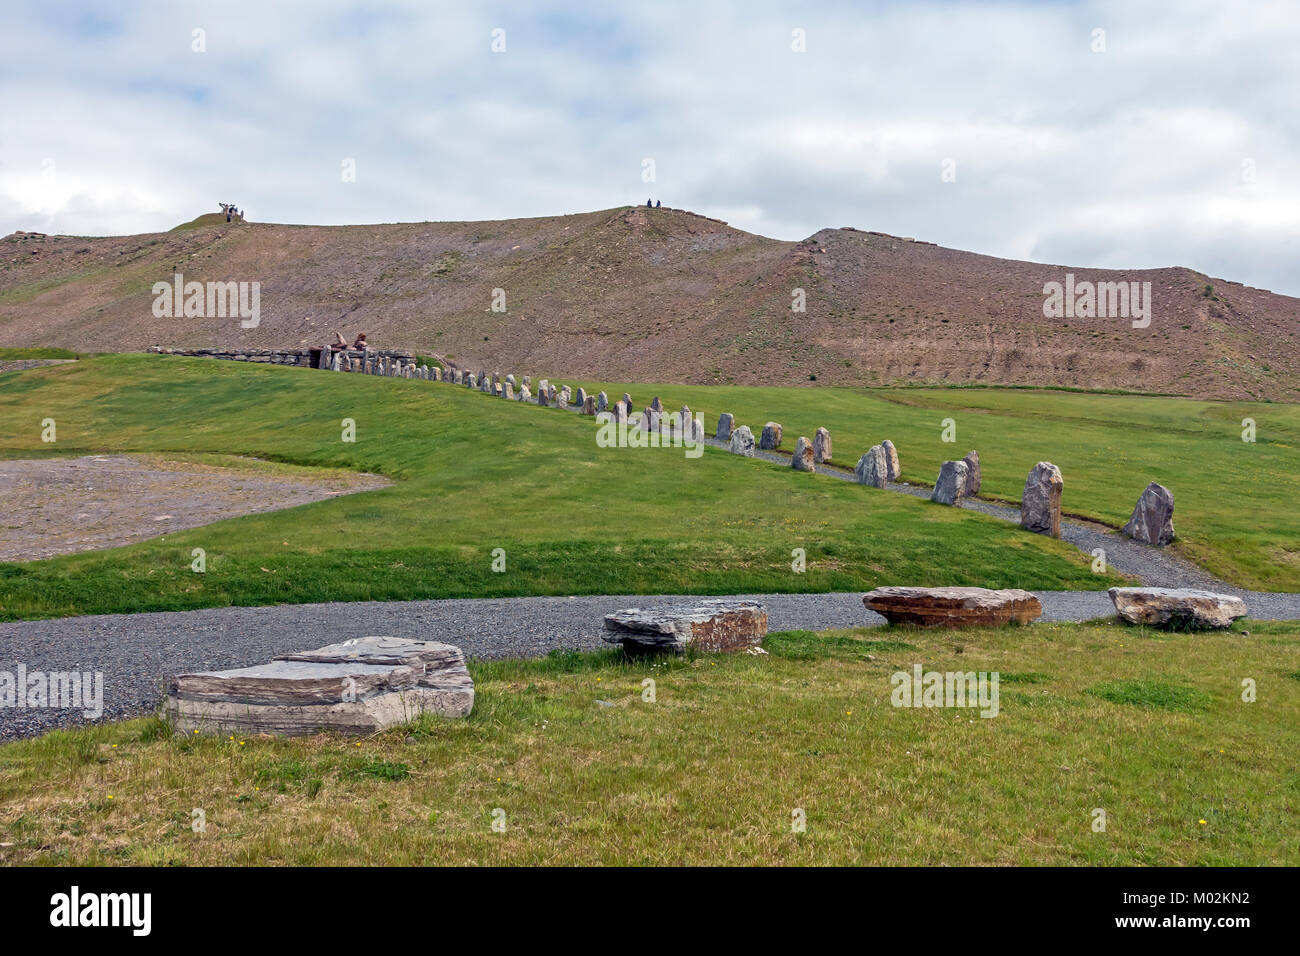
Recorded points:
(656, 295)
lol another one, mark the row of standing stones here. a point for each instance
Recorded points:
(365, 685)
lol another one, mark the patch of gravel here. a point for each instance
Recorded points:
(138, 653)
(66, 505)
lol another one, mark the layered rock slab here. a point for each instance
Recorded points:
(1177, 607)
(953, 607)
(707, 626)
(358, 686)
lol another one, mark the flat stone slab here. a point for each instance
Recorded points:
(357, 686)
(1177, 607)
(953, 607)
(708, 626)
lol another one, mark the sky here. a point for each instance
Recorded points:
(1110, 134)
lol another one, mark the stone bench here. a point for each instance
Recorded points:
(1177, 607)
(953, 607)
(707, 626)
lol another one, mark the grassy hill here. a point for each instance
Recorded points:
(472, 474)
(656, 294)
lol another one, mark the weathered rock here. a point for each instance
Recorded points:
(471, 382)
(602, 402)
(1040, 505)
(511, 381)
(708, 626)
(771, 437)
(684, 420)
(695, 431)
(953, 607)
(950, 486)
(1180, 608)
(872, 468)
(619, 412)
(726, 421)
(742, 441)
(893, 469)
(821, 445)
(972, 461)
(524, 394)
(649, 420)
(802, 459)
(508, 392)
(1153, 517)
(589, 405)
(358, 686)
(627, 400)
(542, 391)
(580, 398)
(657, 405)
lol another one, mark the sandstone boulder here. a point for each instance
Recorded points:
(742, 441)
(821, 446)
(872, 468)
(706, 626)
(972, 461)
(1152, 521)
(1179, 608)
(771, 437)
(894, 470)
(953, 607)
(1040, 505)
(950, 486)
(726, 421)
(803, 457)
(358, 686)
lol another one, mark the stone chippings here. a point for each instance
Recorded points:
(708, 627)
(953, 607)
(358, 686)
(1177, 607)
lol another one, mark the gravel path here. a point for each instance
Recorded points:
(137, 653)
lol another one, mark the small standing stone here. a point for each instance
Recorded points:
(972, 461)
(771, 437)
(524, 394)
(580, 398)
(742, 441)
(627, 400)
(950, 487)
(726, 421)
(893, 469)
(1152, 521)
(821, 446)
(602, 402)
(1040, 505)
(589, 405)
(872, 468)
(803, 457)
(657, 405)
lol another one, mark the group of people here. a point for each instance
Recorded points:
(340, 343)
(229, 209)
(654, 205)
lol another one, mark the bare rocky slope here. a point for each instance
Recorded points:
(655, 295)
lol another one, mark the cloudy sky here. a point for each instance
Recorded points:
(1125, 134)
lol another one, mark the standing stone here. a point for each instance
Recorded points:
(742, 441)
(684, 417)
(893, 470)
(508, 392)
(696, 430)
(543, 386)
(873, 467)
(524, 394)
(589, 405)
(1153, 517)
(627, 400)
(619, 412)
(528, 380)
(436, 374)
(726, 421)
(657, 405)
(510, 380)
(500, 390)
(972, 461)
(470, 382)
(821, 446)
(803, 457)
(602, 402)
(541, 393)
(580, 397)
(649, 420)
(950, 487)
(771, 437)
(337, 364)
(565, 398)
(1040, 505)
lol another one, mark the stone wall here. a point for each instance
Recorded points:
(306, 358)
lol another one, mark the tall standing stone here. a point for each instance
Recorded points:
(524, 394)
(684, 417)
(619, 412)
(657, 405)
(893, 469)
(802, 459)
(972, 461)
(742, 441)
(1040, 505)
(580, 397)
(950, 487)
(541, 393)
(873, 468)
(821, 446)
(508, 391)
(1152, 521)
(589, 405)
(771, 437)
(726, 421)
(627, 400)
(602, 402)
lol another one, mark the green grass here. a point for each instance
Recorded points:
(10, 355)
(712, 770)
(1235, 502)
(472, 474)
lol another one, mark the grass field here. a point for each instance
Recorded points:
(1236, 510)
(1149, 727)
(472, 474)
